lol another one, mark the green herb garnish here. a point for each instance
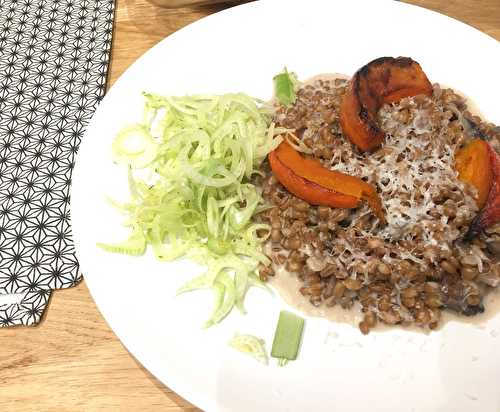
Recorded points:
(285, 87)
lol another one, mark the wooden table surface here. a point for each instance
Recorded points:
(72, 361)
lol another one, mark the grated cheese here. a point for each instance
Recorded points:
(414, 165)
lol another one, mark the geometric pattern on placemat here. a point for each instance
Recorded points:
(54, 58)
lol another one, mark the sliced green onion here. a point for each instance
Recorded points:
(135, 245)
(241, 285)
(200, 282)
(194, 197)
(218, 246)
(228, 302)
(219, 293)
(135, 147)
(250, 345)
(287, 337)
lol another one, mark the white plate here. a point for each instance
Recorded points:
(454, 369)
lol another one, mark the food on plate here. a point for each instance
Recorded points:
(310, 181)
(382, 81)
(190, 162)
(286, 342)
(251, 345)
(287, 338)
(380, 194)
(490, 212)
(285, 87)
(472, 163)
(434, 168)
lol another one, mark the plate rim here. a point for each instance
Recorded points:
(178, 386)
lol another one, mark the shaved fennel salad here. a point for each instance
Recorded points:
(199, 154)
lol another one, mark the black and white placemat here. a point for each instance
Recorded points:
(54, 58)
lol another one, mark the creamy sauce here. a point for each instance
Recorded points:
(491, 304)
(326, 76)
(471, 104)
(287, 284)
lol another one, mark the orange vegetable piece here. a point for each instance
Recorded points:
(384, 80)
(317, 185)
(473, 166)
(490, 213)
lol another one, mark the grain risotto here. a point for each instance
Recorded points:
(418, 264)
